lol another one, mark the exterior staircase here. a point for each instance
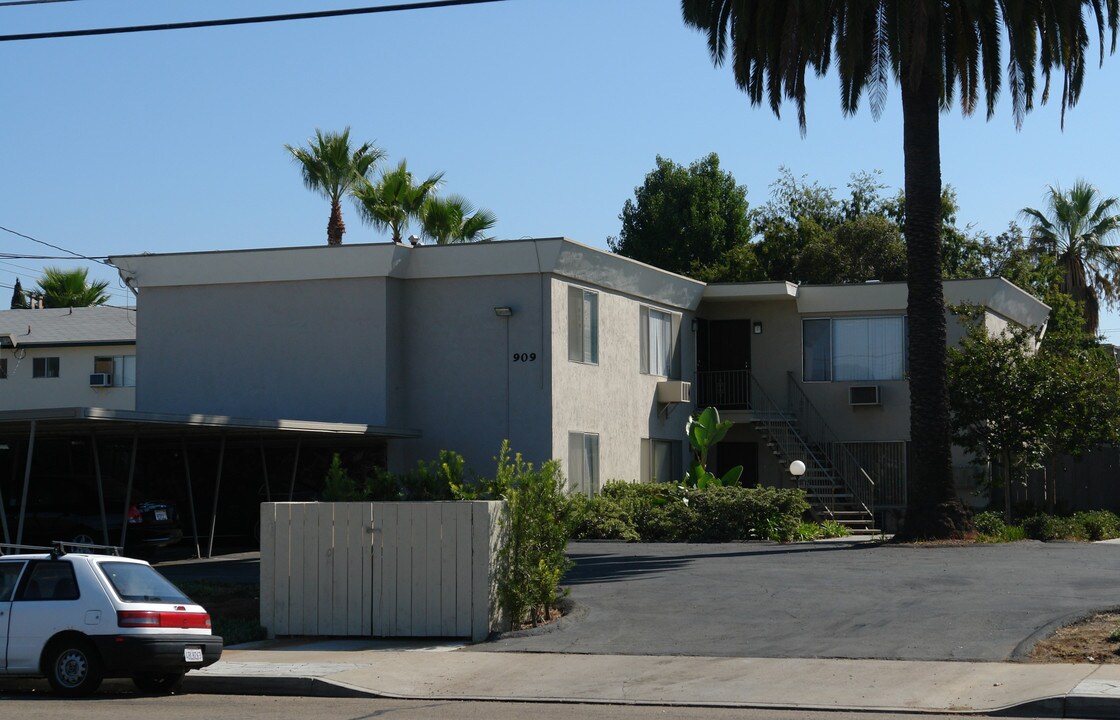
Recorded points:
(836, 486)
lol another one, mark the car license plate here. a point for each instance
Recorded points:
(192, 654)
(161, 515)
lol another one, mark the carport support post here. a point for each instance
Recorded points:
(190, 499)
(264, 466)
(100, 490)
(26, 482)
(217, 489)
(295, 466)
(4, 508)
(128, 489)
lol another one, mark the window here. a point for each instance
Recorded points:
(122, 368)
(3, 368)
(583, 326)
(50, 581)
(661, 460)
(140, 583)
(867, 348)
(44, 367)
(583, 463)
(9, 574)
(657, 342)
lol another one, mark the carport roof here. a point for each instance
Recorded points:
(84, 419)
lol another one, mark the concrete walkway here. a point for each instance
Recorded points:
(350, 668)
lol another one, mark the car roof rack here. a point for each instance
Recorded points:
(62, 547)
(13, 549)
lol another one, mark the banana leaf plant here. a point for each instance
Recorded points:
(704, 430)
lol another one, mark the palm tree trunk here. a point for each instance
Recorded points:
(933, 508)
(335, 226)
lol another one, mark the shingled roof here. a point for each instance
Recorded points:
(70, 326)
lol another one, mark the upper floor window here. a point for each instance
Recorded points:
(865, 348)
(583, 326)
(657, 342)
(44, 367)
(122, 369)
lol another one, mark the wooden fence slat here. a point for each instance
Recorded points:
(357, 551)
(372, 597)
(403, 583)
(464, 517)
(390, 540)
(419, 575)
(447, 569)
(312, 562)
(269, 560)
(325, 584)
(296, 574)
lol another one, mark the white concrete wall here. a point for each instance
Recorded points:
(307, 350)
(613, 398)
(21, 391)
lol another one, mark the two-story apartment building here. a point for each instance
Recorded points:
(67, 357)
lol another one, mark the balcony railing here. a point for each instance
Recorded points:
(723, 389)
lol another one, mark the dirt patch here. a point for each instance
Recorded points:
(1085, 642)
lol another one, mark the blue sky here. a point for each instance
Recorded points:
(548, 112)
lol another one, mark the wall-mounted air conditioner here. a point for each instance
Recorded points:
(864, 395)
(674, 391)
(101, 380)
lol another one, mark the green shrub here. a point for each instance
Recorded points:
(599, 518)
(536, 526)
(1097, 525)
(989, 522)
(1050, 527)
(338, 485)
(671, 513)
(808, 531)
(833, 529)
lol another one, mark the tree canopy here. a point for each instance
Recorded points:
(71, 288)
(331, 168)
(692, 221)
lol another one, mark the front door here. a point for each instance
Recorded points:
(724, 362)
(730, 454)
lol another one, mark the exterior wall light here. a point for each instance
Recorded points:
(758, 328)
(503, 311)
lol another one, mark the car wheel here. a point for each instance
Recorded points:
(73, 667)
(158, 684)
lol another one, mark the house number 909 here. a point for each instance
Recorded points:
(524, 357)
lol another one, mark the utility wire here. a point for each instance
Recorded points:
(244, 20)
(103, 261)
(11, 3)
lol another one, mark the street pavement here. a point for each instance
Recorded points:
(829, 626)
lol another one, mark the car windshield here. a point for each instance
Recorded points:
(140, 583)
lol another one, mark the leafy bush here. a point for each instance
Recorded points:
(598, 518)
(670, 513)
(833, 529)
(338, 485)
(989, 522)
(808, 531)
(1050, 527)
(1097, 524)
(536, 526)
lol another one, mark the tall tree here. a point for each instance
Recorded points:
(19, 299)
(395, 200)
(932, 48)
(689, 221)
(454, 220)
(330, 168)
(71, 288)
(1074, 230)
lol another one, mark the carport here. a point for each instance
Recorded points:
(20, 429)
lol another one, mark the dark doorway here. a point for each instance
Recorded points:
(730, 454)
(723, 363)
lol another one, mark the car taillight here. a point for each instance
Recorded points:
(134, 515)
(151, 618)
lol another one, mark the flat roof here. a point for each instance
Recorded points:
(80, 419)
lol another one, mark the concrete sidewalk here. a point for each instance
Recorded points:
(349, 668)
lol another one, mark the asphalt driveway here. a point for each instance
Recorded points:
(829, 600)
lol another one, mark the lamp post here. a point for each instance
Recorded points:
(796, 469)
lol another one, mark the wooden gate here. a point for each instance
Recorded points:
(407, 569)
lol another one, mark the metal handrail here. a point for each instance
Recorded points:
(855, 478)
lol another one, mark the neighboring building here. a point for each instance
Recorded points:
(66, 357)
(570, 352)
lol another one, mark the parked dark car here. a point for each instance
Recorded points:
(69, 512)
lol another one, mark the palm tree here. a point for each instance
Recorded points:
(1074, 231)
(331, 168)
(932, 48)
(394, 200)
(455, 220)
(71, 288)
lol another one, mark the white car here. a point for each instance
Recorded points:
(76, 618)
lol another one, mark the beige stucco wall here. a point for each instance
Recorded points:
(613, 398)
(20, 391)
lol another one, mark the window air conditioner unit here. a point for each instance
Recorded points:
(864, 395)
(101, 380)
(674, 391)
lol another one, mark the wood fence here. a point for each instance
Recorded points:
(405, 569)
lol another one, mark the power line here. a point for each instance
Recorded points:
(10, 3)
(103, 261)
(244, 20)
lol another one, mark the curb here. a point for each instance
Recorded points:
(1083, 707)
